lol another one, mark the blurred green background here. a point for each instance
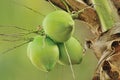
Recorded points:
(15, 64)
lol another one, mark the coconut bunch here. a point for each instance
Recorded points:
(57, 45)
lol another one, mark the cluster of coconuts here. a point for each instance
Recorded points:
(45, 51)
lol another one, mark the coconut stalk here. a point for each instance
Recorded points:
(107, 13)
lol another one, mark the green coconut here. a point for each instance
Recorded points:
(43, 53)
(74, 50)
(58, 25)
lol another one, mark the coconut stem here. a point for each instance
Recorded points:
(69, 59)
(107, 13)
